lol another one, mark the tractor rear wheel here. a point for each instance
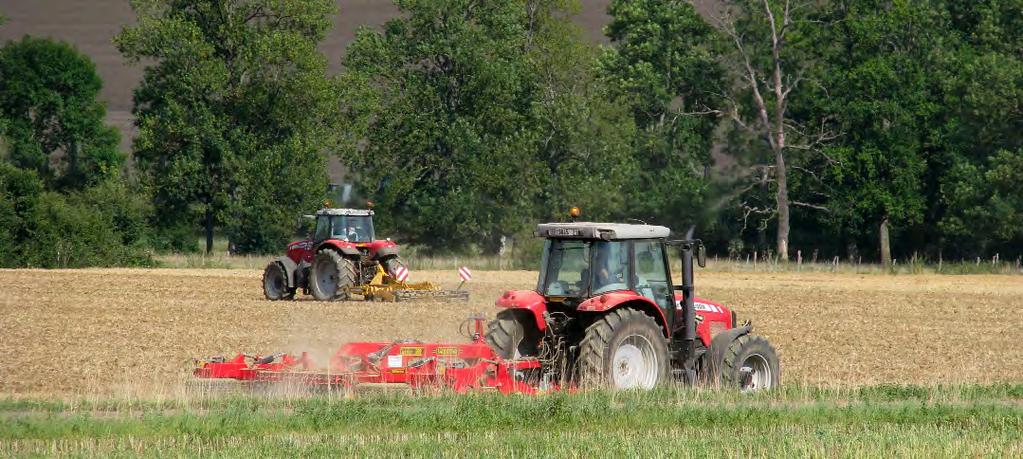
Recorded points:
(331, 275)
(624, 349)
(750, 364)
(275, 283)
(510, 337)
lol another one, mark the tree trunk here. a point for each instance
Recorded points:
(782, 200)
(209, 229)
(886, 249)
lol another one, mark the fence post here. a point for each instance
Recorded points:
(799, 260)
(754, 260)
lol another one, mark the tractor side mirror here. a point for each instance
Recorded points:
(701, 256)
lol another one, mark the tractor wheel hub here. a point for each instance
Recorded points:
(634, 365)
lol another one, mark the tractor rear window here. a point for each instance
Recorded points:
(568, 268)
(352, 228)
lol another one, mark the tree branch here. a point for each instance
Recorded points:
(811, 206)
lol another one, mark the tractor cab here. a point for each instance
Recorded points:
(350, 225)
(583, 260)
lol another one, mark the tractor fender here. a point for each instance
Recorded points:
(345, 248)
(527, 300)
(626, 298)
(385, 252)
(719, 345)
(290, 268)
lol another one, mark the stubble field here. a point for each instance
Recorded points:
(128, 332)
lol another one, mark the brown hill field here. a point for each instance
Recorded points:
(132, 332)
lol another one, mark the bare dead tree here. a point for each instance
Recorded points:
(770, 88)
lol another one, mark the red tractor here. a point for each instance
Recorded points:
(341, 254)
(607, 312)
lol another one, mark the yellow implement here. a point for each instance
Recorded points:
(384, 287)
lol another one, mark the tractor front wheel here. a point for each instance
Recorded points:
(510, 337)
(275, 283)
(331, 275)
(750, 364)
(624, 349)
(392, 264)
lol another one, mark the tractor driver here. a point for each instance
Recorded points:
(608, 271)
(352, 233)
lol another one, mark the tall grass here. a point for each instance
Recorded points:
(941, 421)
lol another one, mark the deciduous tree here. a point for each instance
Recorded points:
(235, 113)
(53, 120)
(663, 66)
(444, 133)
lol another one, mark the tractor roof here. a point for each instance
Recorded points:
(350, 212)
(604, 231)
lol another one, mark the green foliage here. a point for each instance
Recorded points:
(884, 105)
(48, 96)
(233, 114)
(586, 133)
(664, 68)
(444, 99)
(985, 200)
(467, 127)
(103, 225)
(19, 191)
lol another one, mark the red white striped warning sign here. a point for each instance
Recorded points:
(401, 274)
(464, 274)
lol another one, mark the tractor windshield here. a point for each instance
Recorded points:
(573, 268)
(353, 228)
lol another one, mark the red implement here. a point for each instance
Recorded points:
(419, 366)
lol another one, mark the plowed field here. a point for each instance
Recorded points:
(132, 332)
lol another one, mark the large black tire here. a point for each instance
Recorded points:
(624, 349)
(330, 275)
(750, 364)
(511, 337)
(275, 283)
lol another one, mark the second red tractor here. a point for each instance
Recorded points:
(342, 253)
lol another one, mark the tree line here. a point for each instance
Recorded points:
(866, 129)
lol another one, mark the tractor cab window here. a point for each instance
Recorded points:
(580, 268)
(322, 228)
(610, 266)
(651, 274)
(567, 270)
(353, 228)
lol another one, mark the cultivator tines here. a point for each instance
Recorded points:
(413, 294)
(406, 364)
(383, 287)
